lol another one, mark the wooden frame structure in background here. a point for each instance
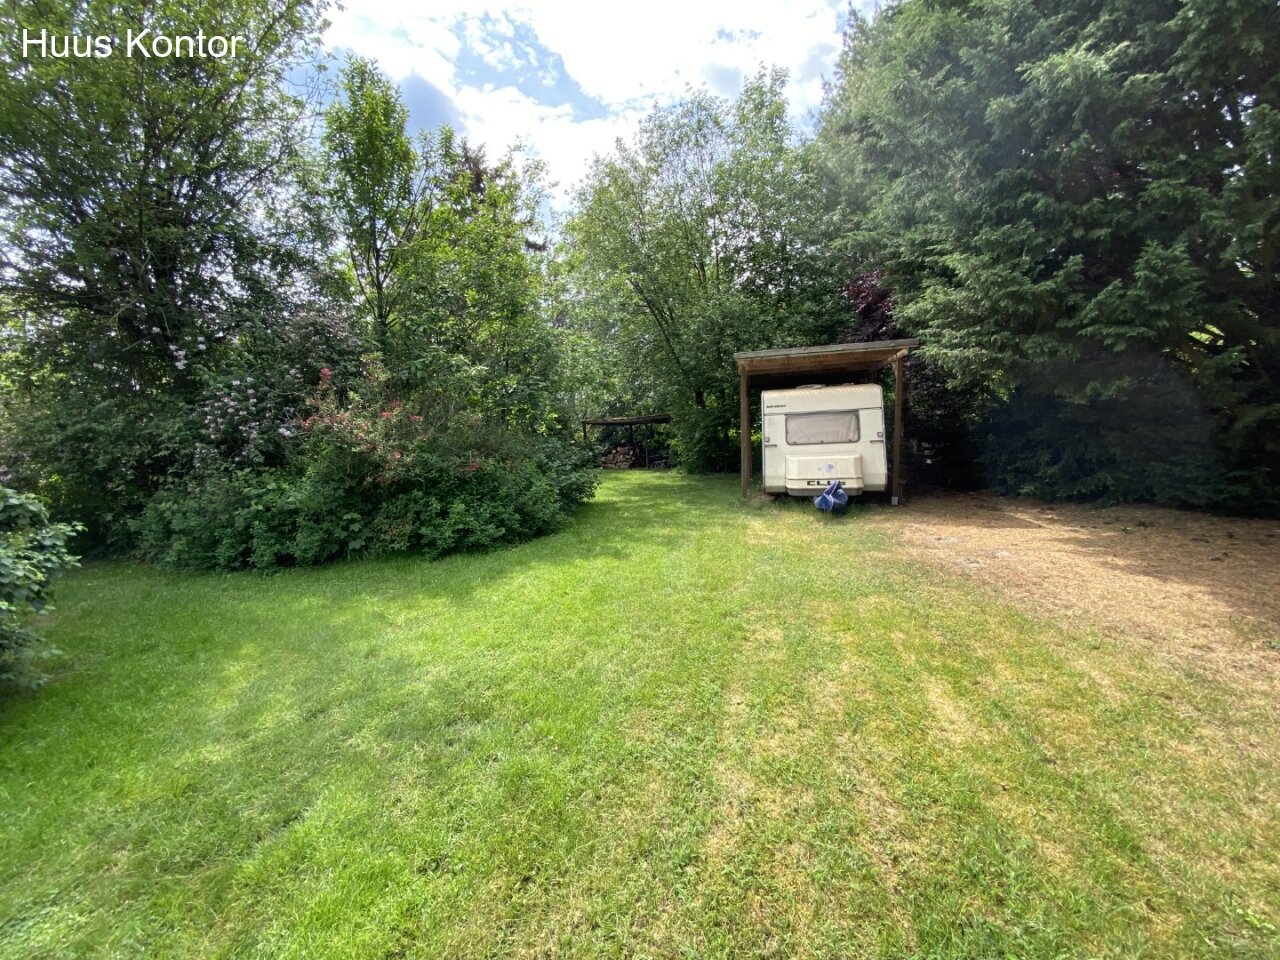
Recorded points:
(834, 363)
(630, 423)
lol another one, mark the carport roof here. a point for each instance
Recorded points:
(627, 421)
(830, 358)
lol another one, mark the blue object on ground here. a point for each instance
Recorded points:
(832, 498)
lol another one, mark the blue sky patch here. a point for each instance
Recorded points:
(429, 106)
(506, 52)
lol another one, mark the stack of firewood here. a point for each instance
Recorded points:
(620, 458)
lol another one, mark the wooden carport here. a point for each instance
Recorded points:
(834, 363)
(631, 422)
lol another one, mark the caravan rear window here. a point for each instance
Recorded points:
(837, 426)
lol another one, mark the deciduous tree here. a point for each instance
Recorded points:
(700, 238)
(377, 188)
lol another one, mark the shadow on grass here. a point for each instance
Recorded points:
(227, 708)
(633, 515)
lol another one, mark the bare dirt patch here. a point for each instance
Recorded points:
(1192, 583)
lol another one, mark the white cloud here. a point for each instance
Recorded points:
(623, 56)
(504, 116)
(380, 34)
(653, 50)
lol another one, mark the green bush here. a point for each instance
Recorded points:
(33, 552)
(705, 439)
(370, 477)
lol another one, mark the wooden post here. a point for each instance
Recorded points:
(744, 429)
(899, 387)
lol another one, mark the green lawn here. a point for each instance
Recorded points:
(682, 728)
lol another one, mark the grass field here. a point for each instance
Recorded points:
(682, 728)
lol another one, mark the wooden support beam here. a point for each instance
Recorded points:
(899, 388)
(744, 429)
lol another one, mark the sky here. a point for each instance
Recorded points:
(568, 78)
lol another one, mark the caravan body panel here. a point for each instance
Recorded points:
(814, 435)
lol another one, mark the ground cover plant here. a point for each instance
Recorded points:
(683, 726)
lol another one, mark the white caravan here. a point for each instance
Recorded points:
(814, 435)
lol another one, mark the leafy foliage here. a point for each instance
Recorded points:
(33, 551)
(369, 474)
(697, 240)
(131, 186)
(177, 299)
(1079, 208)
(1155, 441)
(479, 316)
(101, 457)
(376, 186)
(947, 421)
(442, 248)
(144, 249)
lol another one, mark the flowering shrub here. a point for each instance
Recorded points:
(100, 451)
(33, 552)
(370, 474)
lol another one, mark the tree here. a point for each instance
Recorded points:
(138, 242)
(478, 278)
(130, 184)
(1079, 204)
(700, 239)
(439, 241)
(376, 187)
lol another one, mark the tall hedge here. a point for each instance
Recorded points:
(1079, 205)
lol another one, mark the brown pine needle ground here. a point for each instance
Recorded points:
(1193, 586)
